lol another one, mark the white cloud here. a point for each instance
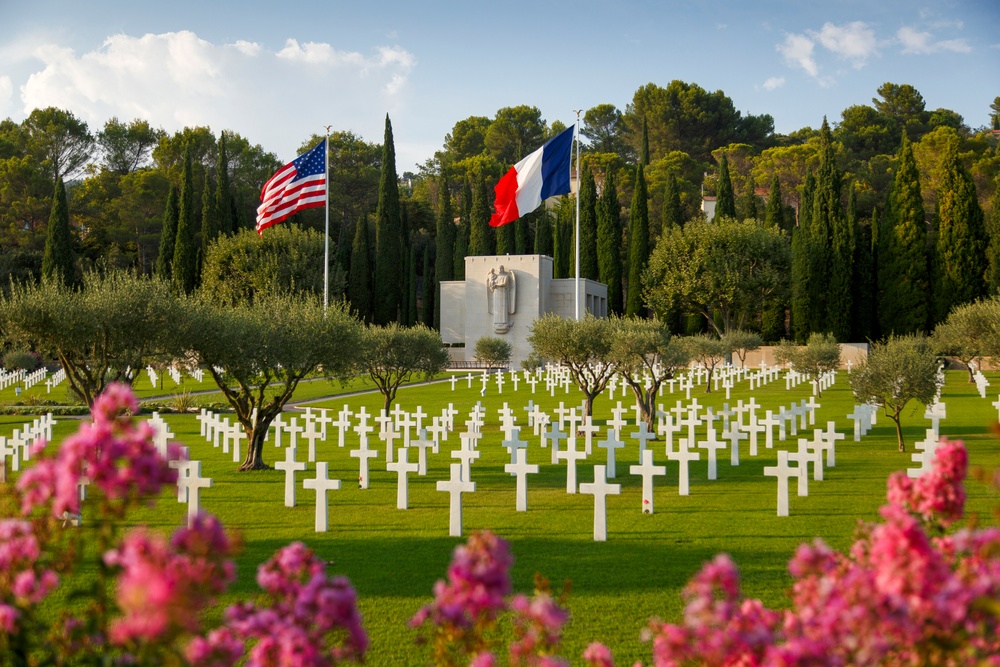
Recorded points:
(854, 41)
(774, 82)
(275, 98)
(916, 42)
(798, 52)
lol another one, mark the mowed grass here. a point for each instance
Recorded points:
(393, 557)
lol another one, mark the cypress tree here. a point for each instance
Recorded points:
(506, 238)
(522, 232)
(588, 225)
(903, 303)
(638, 248)
(359, 287)
(428, 298)
(463, 231)
(801, 293)
(960, 262)
(482, 239)
(185, 267)
(544, 243)
(725, 204)
(444, 256)
(993, 232)
(833, 248)
(774, 213)
(609, 242)
(209, 216)
(168, 234)
(673, 214)
(748, 202)
(644, 146)
(863, 301)
(411, 287)
(562, 250)
(389, 260)
(225, 205)
(57, 262)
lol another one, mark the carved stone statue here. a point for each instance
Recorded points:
(501, 298)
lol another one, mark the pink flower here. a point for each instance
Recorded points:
(598, 655)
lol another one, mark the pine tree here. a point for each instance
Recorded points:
(609, 242)
(482, 239)
(774, 214)
(428, 297)
(57, 262)
(725, 204)
(833, 248)
(389, 260)
(209, 216)
(748, 201)
(444, 256)
(544, 243)
(638, 249)
(801, 292)
(185, 269)
(359, 285)
(903, 303)
(588, 225)
(224, 203)
(993, 232)
(673, 214)
(168, 235)
(960, 263)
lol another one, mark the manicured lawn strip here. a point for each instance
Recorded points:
(393, 557)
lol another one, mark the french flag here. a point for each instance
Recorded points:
(543, 174)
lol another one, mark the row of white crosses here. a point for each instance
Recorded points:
(154, 377)
(981, 383)
(10, 378)
(189, 479)
(33, 378)
(57, 378)
(17, 447)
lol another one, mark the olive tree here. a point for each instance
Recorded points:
(972, 330)
(819, 355)
(708, 351)
(258, 353)
(583, 347)
(643, 349)
(392, 354)
(493, 351)
(107, 330)
(898, 370)
(740, 342)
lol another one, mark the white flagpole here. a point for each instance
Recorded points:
(326, 250)
(578, 188)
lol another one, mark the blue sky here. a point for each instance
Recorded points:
(277, 72)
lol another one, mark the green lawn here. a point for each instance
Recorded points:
(393, 557)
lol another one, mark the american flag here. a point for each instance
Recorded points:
(299, 185)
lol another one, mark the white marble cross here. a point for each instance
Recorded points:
(831, 436)
(769, 422)
(683, 456)
(363, 454)
(588, 428)
(321, 484)
(193, 483)
(803, 456)
(293, 429)
(571, 455)
(712, 445)
(290, 466)
(782, 471)
(734, 435)
(611, 444)
(643, 436)
(648, 472)
(521, 469)
(667, 428)
(553, 436)
(402, 467)
(466, 453)
(388, 435)
(456, 486)
(311, 434)
(343, 423)
(617, 423)
(513, 443)
(422, 443)
(600, 489)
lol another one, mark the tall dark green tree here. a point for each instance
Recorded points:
(57, 262)
(444, 256)
(725, 201)
(833, 248)
(185, 266)
(609, 241)
(428, 297)
(644, 144)
(224, 202)
(959, 262)
(863, 302)
(774, 213)
(411, 287)
(359, 284)
(506, 238)
(903, 282)
(389, 260)
(406, 252)
(993, 232)
(523, 239)
(209, 216)
(544, 242)
(638, 249)
(588, 225)
(673, 214)
(168, 235)
(801, 289)
(748, 200)
(482, 238)
(464, 231)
